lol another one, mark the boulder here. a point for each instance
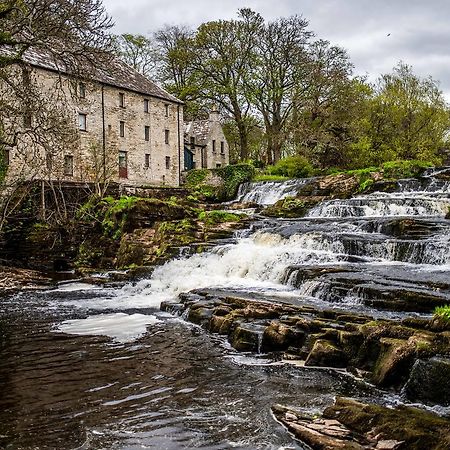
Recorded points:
(429, 381)
(326, 354)
(278, 336)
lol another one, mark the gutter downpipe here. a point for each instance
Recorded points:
(179, 146)
(103, 137)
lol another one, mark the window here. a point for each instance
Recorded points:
(6, 157)
(166, 136)
(147, 160)
(147, 133)
(167, 162)
(27, 120)
(192, 143)
(214, 146)
(81, 90)
(121, 99)
(218, 165)
(166, 106)
(122, 128)
(82, 121)
(222, 147)
(123, 164)
(146, 105)
(68, 165)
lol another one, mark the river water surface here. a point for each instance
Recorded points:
(101, 367)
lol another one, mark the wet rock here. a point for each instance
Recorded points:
(326, 354)
(411, 428)
(247, 337)
(319, 434)
(429, 381)
(200, 314)
(278, 336)
(291, 207)
(14, 279)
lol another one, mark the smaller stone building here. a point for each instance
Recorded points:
(205, 144)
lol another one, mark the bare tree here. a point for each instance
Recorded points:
(138, 52)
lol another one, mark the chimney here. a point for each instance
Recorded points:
(214, 115)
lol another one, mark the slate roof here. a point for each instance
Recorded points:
(118, 74)
(198, 128)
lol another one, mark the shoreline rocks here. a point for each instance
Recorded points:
(386, 351)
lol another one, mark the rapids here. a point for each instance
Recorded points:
(101, 367)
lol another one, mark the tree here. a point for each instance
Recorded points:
(409, 117)
(74, 35)
(278, 75)
(139, 52)
(222, 61)
(325, 105)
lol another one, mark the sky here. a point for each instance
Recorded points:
(376, 33)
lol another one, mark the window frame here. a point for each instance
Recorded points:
(82, 126)
(81, 90)
(66, 159)
(122, 99)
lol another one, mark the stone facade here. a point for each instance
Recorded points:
(124, 121)
(206, 140)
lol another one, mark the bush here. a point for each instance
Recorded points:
(405, 168)
(292, 167)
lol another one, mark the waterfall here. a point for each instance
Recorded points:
(364, 244)
(269, 192)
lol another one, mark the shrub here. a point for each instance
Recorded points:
(292, 167)
(405, 168)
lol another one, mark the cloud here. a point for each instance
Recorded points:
(418, 31)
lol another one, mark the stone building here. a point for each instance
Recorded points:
(122, 127)
(205, 143)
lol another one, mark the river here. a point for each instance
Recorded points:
(83, 366)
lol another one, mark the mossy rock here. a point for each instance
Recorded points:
(326, 354)
(416, 429)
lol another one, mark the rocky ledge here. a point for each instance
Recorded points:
(351, 425)
(412, 355)
(13, 279)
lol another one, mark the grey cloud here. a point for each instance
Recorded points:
(419, 30)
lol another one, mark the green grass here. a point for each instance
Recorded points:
(217, 216)
(443, 312)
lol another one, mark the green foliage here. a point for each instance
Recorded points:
(217, 216)
(405, 169)
(292, 167)
(443, 312)
(218, 184)
(110, 213)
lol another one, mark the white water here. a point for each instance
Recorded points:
(269, 192)
(258, 263)
(119, 326)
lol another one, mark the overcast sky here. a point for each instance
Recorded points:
(376, 33)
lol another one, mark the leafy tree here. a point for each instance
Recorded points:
(409, 117)
(277, 77)
(223, 57)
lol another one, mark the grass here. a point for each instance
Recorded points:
(443, 312)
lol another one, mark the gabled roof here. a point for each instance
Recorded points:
(118, 74)
(198, 128)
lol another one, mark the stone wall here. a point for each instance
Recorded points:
(98, 146)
